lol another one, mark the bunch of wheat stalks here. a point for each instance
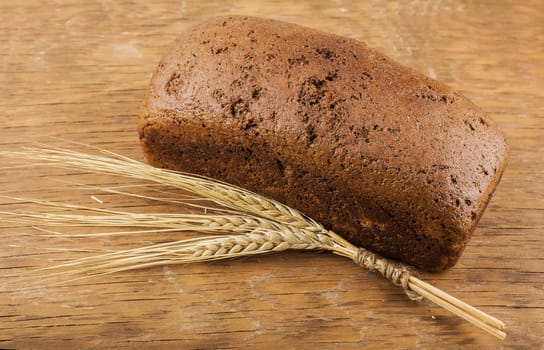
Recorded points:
(241, 223)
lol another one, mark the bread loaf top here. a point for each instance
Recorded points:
(389, 158)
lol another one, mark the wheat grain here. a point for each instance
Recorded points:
(259, 241)
(223, 194)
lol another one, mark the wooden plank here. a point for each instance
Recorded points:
(78, 70)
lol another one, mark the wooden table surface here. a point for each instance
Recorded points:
(78, 70)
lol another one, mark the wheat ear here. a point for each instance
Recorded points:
(251, 224)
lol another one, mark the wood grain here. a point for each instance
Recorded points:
(78, 70)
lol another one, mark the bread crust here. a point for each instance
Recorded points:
(388, 158)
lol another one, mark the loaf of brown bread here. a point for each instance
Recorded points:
(390, 159)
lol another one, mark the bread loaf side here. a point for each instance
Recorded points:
(388, 158)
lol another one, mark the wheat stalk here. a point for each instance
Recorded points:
(191, 250)
(245, 224)
(221, 193)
